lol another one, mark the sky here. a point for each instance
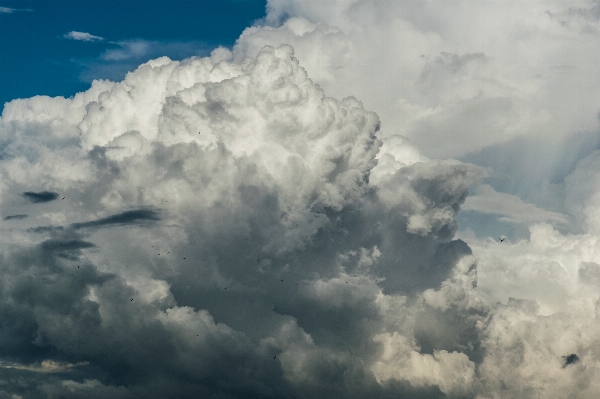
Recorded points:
(300, 199)
(38, 59)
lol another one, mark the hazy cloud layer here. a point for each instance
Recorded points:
(511, 207)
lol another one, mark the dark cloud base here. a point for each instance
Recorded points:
(15, 217)
(40, 197)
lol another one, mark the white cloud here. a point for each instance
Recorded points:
(451, 78)
(582, 193)
(132, 49)
(236, 174)
(83, 36)
(8, 10)
(510, 207)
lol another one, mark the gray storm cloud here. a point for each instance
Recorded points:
(217, 234)
(229, 231)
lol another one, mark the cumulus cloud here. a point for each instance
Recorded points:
(233, 228)
(451, 78)
(221, 217)
(83, 36)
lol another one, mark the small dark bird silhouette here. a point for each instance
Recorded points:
(63, 198)
(282, 281)
(184, 258)
(274, 356)
(78, 267)
(132, 299)
(257, 260)
(502, 239)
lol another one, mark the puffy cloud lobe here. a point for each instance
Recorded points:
(451, 78)
(543, 292)
(455, 81)
(430, 194)
(458, 83)
(220, 233)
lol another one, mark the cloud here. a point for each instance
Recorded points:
(8, 10)
(254, 190)
(133, 217)
(46, 366)
(43, 196)
(294, 243)
(126, 55)
(510, 207)
(454, 83)
(457, 83)
(83, 36)
(12, 217)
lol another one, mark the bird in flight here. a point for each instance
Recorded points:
(63, 198)
(132, 299)
(502, 239)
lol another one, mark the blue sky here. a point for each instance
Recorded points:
(38, 60)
